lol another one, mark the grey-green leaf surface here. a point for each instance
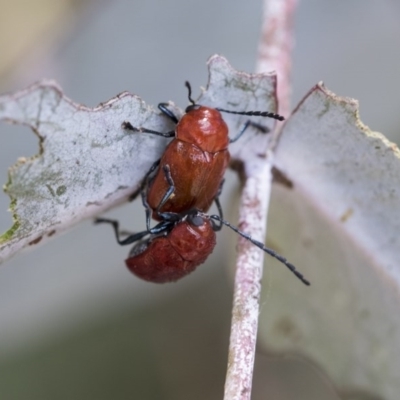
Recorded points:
(86, 162)
(339, 221)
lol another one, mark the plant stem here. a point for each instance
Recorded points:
(274, 54)
(275, 47)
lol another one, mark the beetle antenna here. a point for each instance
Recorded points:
(255, 114)
(187, 84)
(267, 250)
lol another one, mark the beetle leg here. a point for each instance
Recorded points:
(163, 107)
(144, 181)
(215, 226)
(248, 123)
(159, 228)
(170, 190)
(147, 208)
(127, 125)
(219, 207)
(115, 224)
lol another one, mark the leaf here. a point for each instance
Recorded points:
(239, 91)
(87, 163)
(340, 224)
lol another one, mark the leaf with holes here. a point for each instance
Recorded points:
(87, 163)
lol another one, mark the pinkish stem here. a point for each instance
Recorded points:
(274, 54)
(275, 48)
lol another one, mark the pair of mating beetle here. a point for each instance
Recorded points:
(179, 189)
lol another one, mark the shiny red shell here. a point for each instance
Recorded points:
(197, 157)
(171, 257)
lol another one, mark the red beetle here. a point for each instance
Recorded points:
(188, 180)
(178, 245)
(174, 249)
(191, 170)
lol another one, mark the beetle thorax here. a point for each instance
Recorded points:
(205, 128)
